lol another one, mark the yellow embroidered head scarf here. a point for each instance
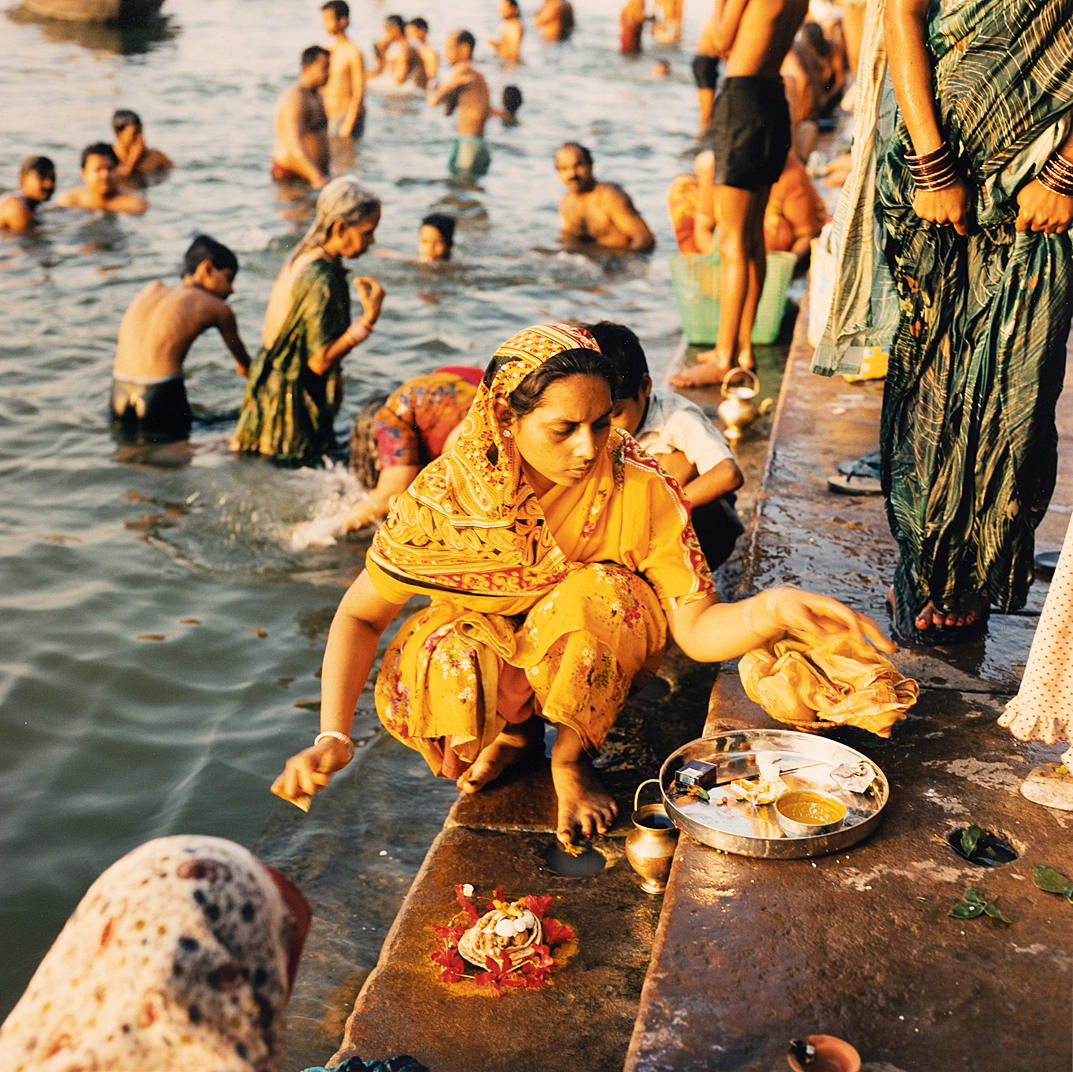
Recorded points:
(469, 522)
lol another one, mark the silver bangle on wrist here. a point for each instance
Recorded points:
(335, 735)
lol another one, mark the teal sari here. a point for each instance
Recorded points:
(967, 435)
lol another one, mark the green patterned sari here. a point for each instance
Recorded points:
(967, 436)
(288, 410)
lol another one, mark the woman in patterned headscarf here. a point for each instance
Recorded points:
(295, 384)
(181, 956)
(556, 555)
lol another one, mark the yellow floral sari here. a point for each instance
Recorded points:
(548, 604)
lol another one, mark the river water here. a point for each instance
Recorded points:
(164, 610)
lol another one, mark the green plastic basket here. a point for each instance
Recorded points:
(695, 278)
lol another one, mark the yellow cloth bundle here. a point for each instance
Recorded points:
(814, 682)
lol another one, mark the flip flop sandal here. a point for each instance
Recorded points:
(865, 465)
(864, 483)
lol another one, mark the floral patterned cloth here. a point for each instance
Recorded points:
(552, 603)
(179, 958)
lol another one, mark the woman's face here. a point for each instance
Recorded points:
(356, 238)
(561, 439)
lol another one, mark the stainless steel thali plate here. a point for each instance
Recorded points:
(752, 830)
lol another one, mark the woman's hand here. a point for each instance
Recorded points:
(1040, 209)
(792, 610)
(309, 771)
(950, 205)
(371, 296)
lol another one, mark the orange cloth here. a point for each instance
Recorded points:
(814, 682)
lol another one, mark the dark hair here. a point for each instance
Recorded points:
(204, 248)
(98, 148)
(578, 148)
(527, 396)
(512, 99)
(364, 446)
(444, 224)
(40, 165)
(124, 117)
(395, 20)
(464, 37)
(419, 23)
(312, 54)
(339, 8)
(812, 34)
(627, 356)
(514, 4)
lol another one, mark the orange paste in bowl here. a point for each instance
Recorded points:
(812, 808)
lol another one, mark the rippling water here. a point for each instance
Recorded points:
(164, 610)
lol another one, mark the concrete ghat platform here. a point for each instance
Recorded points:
(751, 953)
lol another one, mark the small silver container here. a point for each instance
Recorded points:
(799, 797)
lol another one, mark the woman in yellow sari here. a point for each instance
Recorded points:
(556, 555)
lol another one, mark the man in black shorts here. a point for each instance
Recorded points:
(706, 68)
(750, 136)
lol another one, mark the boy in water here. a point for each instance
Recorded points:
(508, 46)
(37, 180)
(344, 92)
(680, 437)
(465, 90)
(301, 149)
(750, 131)
(101, 191)
(135, 158)
(398, 56)
(157, 331)
(417, 35)
(512, 101)
(436, 238)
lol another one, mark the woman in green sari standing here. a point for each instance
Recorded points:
(295, 384)
(974, 197)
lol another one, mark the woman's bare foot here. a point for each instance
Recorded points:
(972, 610)
(513, 744)
(583, 803)
(710, 368)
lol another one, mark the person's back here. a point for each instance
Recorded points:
(764, 35)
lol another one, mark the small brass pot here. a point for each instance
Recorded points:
(650, 844)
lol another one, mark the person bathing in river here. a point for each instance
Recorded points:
(465, 90)
(557, 556)
(398, 56)
(300, 153)
(417, 35)
(393, 439)
(508, 46)
(37, 180)
(135, 157)
(101, 191)
(295, 383)
(631, 26)
(555, 20)
(751, 133)
(599, 212)
(344, 92)
(156, 333)
(680, 437)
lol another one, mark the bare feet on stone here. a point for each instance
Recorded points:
(513, 744)
(582, 802)
(972, 611)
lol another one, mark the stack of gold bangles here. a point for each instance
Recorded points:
(934, 170)
(1057, 175)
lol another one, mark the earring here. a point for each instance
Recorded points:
(506, 434)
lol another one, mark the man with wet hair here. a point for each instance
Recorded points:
(101, 191)
(417, 35)
(344, 92)
(300, 153)
(508, 46)
(465, 91)
(156, 333)
(135, 158)
(396, 55)
(598, 212)
(37, 181)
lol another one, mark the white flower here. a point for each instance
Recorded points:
(467, 890)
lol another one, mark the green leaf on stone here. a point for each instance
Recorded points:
(1051, 881)
(965, 910)
(975, 896)
(970, 837)
(995, 912)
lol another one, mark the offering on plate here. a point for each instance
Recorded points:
(512, 930)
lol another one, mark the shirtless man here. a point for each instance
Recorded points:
(508, 46)
(301, 150)
(465, 91)
(417, 35)
(157, 330)
(135, 158)
(706, 67)
(599, 212)
(37, 180)
(631, 27)
(101, 190)
(396, 55)
(668, 27)
(344, 92)
(750, 132)
(555, 20)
